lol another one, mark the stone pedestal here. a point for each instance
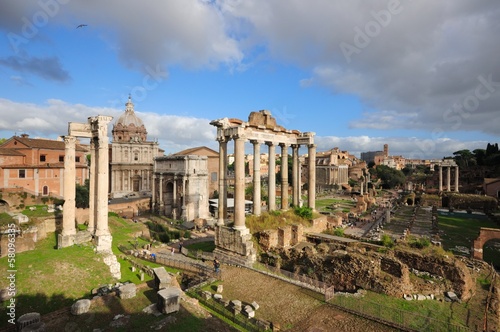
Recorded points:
(168, 300)
(64, 241)
(235, 244)
(162, 278)
(127, 291)
(103, 243)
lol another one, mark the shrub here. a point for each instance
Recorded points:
(339, 231)
(304, 212)
(387, 241)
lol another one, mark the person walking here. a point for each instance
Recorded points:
(216, 266)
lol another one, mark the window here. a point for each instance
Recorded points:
(61, 159)
(43, 157)
(22, 173)
(77, 159)
(136, 156)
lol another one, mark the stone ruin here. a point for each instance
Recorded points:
(97, 130)
(235, 243)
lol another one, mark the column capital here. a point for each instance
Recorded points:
(68, 139)
(311, 145)
(270, 143)
(256, 142)
(284, 145)
(295, 146)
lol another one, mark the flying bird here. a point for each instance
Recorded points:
(81, 26)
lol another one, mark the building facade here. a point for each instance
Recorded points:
(37, 165)
(180, 187)
(131, 156)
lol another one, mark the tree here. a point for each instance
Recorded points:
(82, 195)
(464, 157)
(389, 177)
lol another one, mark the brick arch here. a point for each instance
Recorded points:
(485, 234)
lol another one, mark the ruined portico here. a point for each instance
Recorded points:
(97, 130)
(260, 129)
(448, 165)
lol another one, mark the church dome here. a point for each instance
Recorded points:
(129, 127)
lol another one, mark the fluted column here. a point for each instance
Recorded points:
(184, 198)
(295, 175)
(456, 179)
(440, 178)
(174, 200)
(272, 177)
(102, 183)
(284, 176)
(92, 187)
(448, 179)
(239, 183)
(311, 150)
(256, 178)
(68, 227)
(222, 205)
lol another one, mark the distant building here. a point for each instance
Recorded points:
(370, 156)
(180, 187)
(212, 166)
(491, 187)
(131, 155)
(332, 168)
(37, 165)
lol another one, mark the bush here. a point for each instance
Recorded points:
(304, 212)
(339, 231)
(387, 241)
(419, 243)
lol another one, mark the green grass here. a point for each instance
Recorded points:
(207, 246)
(5, 219)
(41, 211)
(461, 229)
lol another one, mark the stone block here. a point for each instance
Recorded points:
(220, 288)
(218, 297)
(162, 278)
(255, 305)
(206, 295)
(80, 307)
(27, 320)
(127, 291)
(225, 302)
(168, 300)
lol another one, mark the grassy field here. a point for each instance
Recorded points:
(48, 279)
(461, 229)
(327, 204)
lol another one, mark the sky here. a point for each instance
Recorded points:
(422, 76)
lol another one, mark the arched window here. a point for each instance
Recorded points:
(45, 191)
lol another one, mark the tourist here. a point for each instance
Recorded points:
(216, 265)
(173, 251)
(180, 247)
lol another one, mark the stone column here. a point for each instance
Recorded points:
(67, 236)
(99, 125)
(184, 198)
(456, 179)
(92, 184)
(174, 200)
(256, 178)
(153, 193)
(295, 175)
(160, 194)
(239, 183)
(448, 179)
(311, 190)
(272, 177)
(222, 204)
(440, 178)
(284, 177)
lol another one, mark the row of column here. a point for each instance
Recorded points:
(118, 180)
(239, 177)
(448, 178)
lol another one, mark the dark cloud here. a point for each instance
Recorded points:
(47, 68)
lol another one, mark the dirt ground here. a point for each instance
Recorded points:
(290, 307)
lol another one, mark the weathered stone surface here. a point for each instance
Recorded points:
(4, 295)
(36, 327)
(255, 305)
(218, 297)
(80, 307)
(127, 291)
(220, 288)
(162, 278)
(452, 296)
(168, 300)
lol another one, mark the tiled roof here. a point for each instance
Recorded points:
(194, 151)
(40, 143)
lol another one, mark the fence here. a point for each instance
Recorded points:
(240, 320)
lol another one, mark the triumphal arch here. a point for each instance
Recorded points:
(235, 242)
(97, 130)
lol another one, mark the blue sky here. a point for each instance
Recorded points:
(421, 76)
